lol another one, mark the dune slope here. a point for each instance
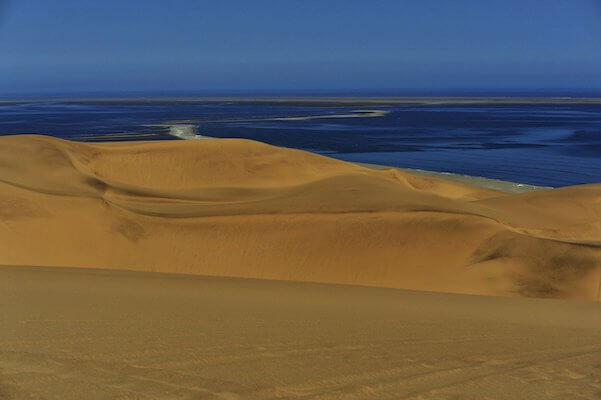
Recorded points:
(97, 334)
(246, 209)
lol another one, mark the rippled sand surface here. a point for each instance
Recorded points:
(106, 251)
(90, 334)
(240, 208)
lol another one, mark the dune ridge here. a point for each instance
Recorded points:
(233, 207)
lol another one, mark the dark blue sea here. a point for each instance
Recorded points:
(544, 144)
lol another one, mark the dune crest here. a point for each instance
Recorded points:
(240, 208)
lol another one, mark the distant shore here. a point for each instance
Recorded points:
(318, 101)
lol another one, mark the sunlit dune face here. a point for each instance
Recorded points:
(246, 209)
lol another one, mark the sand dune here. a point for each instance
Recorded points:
(245, 209)
(95, 335)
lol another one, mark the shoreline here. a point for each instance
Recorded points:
(189, 132)
(472, 180)
(186, 131)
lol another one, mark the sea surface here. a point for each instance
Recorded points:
(539, 144)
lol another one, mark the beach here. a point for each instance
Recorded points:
(300, 200)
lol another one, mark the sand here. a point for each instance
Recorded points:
(129, 271)
(352, 114)
(96, 335)
(239, 208)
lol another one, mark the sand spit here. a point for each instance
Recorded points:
(96, 335)
(240, 208)
(187, 129)
(352, 114)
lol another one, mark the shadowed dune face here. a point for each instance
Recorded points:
(548, 265)
(246, 209)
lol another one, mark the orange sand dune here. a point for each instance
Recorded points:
(246, 209)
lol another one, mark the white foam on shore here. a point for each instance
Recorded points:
(480, 181)
(183, 131)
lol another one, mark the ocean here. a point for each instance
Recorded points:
(538, 144)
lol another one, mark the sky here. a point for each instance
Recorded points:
(214, 46)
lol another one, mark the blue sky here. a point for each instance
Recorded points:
(75, 46)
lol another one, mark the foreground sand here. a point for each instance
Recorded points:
(245, 209)
(87, 334)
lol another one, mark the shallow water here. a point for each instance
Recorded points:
(539, 144)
